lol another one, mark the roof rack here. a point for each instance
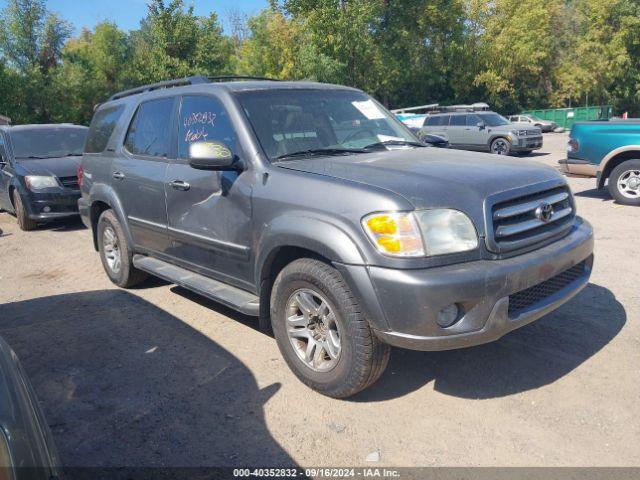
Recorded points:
(437, 108)
(181, 82)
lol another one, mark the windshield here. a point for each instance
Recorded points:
(48, 142)
(326, 121)
(493, 119)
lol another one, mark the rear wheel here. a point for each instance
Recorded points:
(24, 222)
(501, 146)
(321, 332)
(624, 183)
(116, 256)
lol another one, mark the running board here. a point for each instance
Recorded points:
(232, 297)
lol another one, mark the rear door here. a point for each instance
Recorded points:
(437, 125)
(139, 173)
(209, 212)
(456, 130)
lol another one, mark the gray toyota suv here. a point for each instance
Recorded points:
(311, 207)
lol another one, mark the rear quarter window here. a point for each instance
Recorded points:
(102, 125)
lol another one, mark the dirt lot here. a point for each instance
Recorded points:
(157, 376)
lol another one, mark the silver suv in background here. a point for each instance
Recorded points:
(544, 125)
(483, 131)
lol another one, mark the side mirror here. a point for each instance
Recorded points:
(211, 156)
(481, 125)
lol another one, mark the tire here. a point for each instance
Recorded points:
(115, 253)
(362, 357)
(624, 183)
(501, 146)
(24, 222)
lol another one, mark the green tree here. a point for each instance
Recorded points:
(173, 42)
(31, 40)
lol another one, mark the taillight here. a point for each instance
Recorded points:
(573, 145)
(80, 175)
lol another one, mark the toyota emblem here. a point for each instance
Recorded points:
(544, 212)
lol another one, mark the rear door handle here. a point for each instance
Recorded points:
(180, 185)
(118, 175)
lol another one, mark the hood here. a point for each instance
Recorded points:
(58, 167)
(430, 177)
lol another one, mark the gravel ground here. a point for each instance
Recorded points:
(157, 376)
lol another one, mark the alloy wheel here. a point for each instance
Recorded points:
(112, 251)
(629, 184)
(313, 330)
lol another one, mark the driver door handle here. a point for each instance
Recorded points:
(180, 185)
(118, 175)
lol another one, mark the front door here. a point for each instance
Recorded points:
(477, 137)
(139, 173)
(209, 211)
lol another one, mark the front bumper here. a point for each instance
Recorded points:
(59, 205)
(526, 143)
(410, 300)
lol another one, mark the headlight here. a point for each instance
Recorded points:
(37, 182)
(421, 233)
(519, 133)
(446, 231)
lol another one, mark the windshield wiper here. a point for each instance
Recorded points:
(401, 143)
(315, 152)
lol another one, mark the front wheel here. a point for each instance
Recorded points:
(501, 146)
(624, 183)
(321, 332)
(24, 222)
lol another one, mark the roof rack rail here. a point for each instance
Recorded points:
(181, 82)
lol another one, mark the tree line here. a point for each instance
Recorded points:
(513, 54)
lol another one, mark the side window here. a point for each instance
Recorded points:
(473, 120)
(150, 129)
(203, 118)
(102, 125)
(431, 121)
(458, 120)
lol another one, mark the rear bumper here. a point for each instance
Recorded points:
(84, 209)
(576, 166)
(411, 300)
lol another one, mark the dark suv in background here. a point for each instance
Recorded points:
(38, 171)
(312, 207)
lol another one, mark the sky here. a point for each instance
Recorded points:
(128, 13)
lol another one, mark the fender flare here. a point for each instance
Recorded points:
(609, 156)
(103, 193)
(315, 234)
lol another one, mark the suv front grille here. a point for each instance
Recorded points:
(70, 182)
(520, 222)
(526, 298)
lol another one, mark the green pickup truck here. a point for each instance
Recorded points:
(609, 151)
